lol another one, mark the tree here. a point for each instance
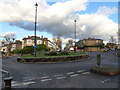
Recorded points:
(9, 39)
(69, 44)
(58, 43)
(112, 39)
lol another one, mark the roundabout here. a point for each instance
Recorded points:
(53, 59)
(61, 75)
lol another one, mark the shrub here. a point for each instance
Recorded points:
(42, 47)
(64, 53)
(27, 50)
(51, 53)
(16, 51)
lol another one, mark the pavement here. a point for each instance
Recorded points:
(62, 75)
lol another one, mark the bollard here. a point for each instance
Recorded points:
(98, 58)
(8, 81)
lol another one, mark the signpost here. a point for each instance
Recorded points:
(98, 59)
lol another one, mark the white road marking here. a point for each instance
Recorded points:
(16, 84)
(70, 72)
(46, 80)
(45, 77)
(26, 83)
(81, 71)
(60, 77)
(19, 84)
(74, 75)
(86, 73)
(13, 82)
(29, 79)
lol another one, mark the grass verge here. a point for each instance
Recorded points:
(42, 55)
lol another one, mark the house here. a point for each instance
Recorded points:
(17, 45)
(29, 41)
(111, 46)
(90, 44)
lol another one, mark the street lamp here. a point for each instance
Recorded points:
(75, 35)
(35, 46)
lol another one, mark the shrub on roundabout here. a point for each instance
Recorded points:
(54, 53)
(64, 53)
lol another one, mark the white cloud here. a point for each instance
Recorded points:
(23, 10)
(59, 18)
(97, 25)
(107, 10)
(8, 34)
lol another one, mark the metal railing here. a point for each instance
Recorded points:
(5, 72)
(6, 79)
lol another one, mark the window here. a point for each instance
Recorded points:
(97, 41)
(83, 42)
(29, 41)
(39, 42)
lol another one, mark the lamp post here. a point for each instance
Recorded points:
(35, 46)
(75, 35)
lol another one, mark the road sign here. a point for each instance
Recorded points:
(35, 46)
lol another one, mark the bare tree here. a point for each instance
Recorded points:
(57, 42)
(69, 44)
(8, 42)
(112, 39)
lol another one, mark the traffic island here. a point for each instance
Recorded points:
(106, 70)
(55, 59)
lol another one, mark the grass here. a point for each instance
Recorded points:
(42, 55)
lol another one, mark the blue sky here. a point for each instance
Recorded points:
(92, 7)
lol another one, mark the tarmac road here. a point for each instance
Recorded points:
(62, 75)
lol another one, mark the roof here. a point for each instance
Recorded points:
(90, 39)
(32, 37)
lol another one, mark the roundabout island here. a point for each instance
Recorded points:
(54, 57)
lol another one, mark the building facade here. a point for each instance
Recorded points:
(90, 44)
(111, 46)
(29, 41)
(17, 45)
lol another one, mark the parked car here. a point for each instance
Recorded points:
(105, 49)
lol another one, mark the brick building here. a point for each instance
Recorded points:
(111, 45)
(90, 44)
